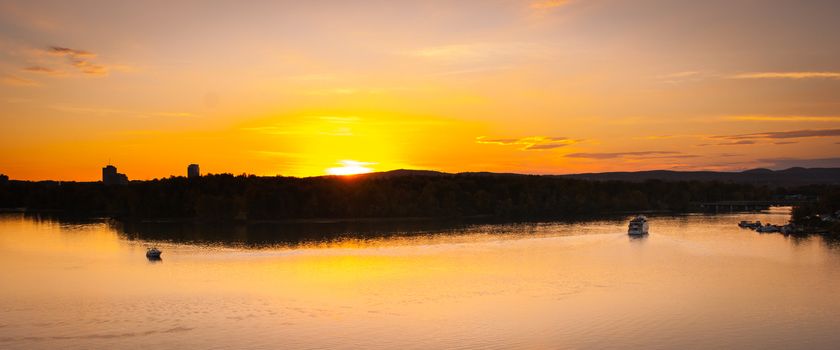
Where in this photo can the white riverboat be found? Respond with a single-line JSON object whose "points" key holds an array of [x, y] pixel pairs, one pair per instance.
{"points": [[638, 226]]}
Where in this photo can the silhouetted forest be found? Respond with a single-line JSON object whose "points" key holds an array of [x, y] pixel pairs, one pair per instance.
{"points": [[824, 214], [773, 178], [228, 197]]}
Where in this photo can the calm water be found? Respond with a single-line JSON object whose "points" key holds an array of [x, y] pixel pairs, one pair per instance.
{"points": [[695, 282]]}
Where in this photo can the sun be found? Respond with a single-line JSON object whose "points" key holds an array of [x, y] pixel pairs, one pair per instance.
{"points": [[350, 167]]}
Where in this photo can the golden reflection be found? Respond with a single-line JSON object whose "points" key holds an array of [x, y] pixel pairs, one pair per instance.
{"points": [[521, 281]]}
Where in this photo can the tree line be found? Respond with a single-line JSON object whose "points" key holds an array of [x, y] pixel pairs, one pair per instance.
{"points": [[822, 214], [248, 197]]}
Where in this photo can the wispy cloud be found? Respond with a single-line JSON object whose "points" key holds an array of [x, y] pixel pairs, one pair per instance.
{"points": [[475, 70], [783, 118], [531, 142], [170, 114], [346, 91], [312, 77], [788, 75], [794, 134], [17, 81], [687, 76], [479, 51], [65, 51], [718, 166], [730, 143], [91, 68], [43, 70], [548, 4], [737, 143], [68, 60], [300, 130], [280, 154], [683, 74], [340, 119], [633, 155], [666, 137], [105, 111]]}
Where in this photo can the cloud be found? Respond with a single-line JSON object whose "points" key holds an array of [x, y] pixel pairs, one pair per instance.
{"points": [[685, 76], [782, 134], [530, 143], [104, 111], [784, 142], [72, 60], [482, 57], [299, 130], [737, 143], [280, 154], [64, 51], [634, 155], [720, 166], [546, 146], [784, 163], [88, 67], [788, 75], [666, 137], [783, 118], [43, 70], [548, 4], [17, 81], [347, 91], [170, 114], [475, 70], [339, 119], [482, 139], [477, 52]]}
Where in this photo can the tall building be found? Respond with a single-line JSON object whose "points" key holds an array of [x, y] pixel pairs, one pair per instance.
{"points": [[110, 176], [192, 171]]}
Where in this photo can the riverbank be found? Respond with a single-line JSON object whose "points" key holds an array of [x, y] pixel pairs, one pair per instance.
{"points": [[250, 198]]}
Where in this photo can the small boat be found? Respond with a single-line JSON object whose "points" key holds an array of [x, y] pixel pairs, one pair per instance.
{"points": [[768, 228], [749, 224], [638, 226], [153, 253]]}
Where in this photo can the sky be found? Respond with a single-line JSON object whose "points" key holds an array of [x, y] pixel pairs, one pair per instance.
{"points": [[307, 88]]}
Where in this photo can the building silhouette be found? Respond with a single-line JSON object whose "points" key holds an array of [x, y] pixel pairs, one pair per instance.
{"points": [[110, 176], [193, 171]]}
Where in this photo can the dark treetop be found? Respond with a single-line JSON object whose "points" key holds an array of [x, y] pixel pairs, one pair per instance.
{"points": [[398, 194]]}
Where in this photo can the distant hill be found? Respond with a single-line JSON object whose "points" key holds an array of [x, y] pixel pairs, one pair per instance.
{"points": [[787, 177], [760, 176], [402, 172]]}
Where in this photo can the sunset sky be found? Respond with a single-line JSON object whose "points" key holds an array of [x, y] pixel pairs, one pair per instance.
{"points": [[301, 87]]}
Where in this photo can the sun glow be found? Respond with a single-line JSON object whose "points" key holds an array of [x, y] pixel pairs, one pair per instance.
{"points": [[350, 167]]}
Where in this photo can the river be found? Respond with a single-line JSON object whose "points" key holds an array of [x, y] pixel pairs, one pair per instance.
{"points": [[696, 282]]}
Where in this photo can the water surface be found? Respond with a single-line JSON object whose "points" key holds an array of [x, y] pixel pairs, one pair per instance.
{"points": [[696, 281]]}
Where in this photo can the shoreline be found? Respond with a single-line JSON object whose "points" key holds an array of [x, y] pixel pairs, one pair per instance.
{"points": [[61, 214]]}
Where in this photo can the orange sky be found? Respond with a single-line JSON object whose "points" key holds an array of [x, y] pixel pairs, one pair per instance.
{"points": [[297, 88]]}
